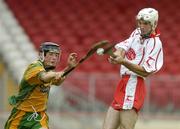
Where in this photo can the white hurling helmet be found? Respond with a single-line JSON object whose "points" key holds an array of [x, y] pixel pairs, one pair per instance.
{"points": [[150, 15]]}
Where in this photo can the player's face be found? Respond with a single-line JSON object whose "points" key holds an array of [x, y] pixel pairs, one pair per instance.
{"points": [[51, 59], [144, 26]]}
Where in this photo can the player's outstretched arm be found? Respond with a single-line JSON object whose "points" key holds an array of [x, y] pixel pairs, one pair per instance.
{"points": [[58, 80], [56, 77], [48, 76]]}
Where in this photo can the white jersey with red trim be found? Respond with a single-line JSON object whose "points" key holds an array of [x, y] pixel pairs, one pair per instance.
{"points": [[147, 53]]}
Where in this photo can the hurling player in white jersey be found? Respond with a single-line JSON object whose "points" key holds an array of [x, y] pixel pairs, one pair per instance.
{"points": [[139, 56]]}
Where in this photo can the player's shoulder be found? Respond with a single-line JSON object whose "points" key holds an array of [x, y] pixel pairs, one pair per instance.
{"points": [[135, 33], [37, 63], [154, 43], [34, 64], [157, 41]]}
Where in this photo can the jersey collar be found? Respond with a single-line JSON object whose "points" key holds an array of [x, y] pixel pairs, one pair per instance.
{"points": [[157, 34]]}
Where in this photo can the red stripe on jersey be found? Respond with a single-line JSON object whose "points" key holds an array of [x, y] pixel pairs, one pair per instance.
{"points": [[153, 46], [157, 58], [142, 56], [133, 34]]}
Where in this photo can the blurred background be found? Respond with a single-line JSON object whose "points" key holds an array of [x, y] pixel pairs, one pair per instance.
{"points": [[83, 99]]}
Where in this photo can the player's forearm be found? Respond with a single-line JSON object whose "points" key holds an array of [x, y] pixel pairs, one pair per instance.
{"points": [[58, 82], [135, 68], [47, 76]]}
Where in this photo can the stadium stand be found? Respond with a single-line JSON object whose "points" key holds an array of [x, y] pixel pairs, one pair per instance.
{"points": [[80, 24], [14, 49]]}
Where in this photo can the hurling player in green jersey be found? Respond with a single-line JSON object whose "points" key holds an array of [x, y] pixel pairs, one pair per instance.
{"points": [[29, 106]]}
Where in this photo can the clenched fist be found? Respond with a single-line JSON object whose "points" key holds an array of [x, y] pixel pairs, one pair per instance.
{"points": [[72, 60]]}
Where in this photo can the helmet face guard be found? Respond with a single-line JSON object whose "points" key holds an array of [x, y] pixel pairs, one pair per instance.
{"points": [[48, 47], [144, 28]]}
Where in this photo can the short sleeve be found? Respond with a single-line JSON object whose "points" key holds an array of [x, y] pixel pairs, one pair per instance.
{"points": [[32, 73], [126, 44], [154, 56]]}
